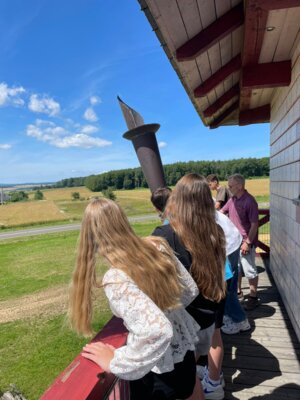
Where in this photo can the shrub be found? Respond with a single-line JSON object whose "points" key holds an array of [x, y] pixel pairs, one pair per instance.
{"points": [[18, 196], [109, 194], [75, 196], [38, 195]]}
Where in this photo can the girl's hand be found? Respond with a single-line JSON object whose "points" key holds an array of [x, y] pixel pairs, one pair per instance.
{"points": [[100, 353]]}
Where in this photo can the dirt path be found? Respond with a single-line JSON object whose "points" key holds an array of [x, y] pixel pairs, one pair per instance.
{"points": [[46, 303]]}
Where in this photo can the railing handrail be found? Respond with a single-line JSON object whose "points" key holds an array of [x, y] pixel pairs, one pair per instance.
{"points": [[261, 222], [83, 379]]}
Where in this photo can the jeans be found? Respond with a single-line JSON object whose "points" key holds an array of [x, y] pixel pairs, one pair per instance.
{"points": [[233, 308]]}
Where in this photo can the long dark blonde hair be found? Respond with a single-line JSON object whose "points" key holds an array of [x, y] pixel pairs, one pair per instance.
{"points": [[191, 213], [106, 232]]}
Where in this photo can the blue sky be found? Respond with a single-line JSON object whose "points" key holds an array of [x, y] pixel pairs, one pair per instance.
{"points": [[63, 63]]}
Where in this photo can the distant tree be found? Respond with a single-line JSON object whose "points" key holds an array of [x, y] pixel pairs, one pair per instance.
{"points": [[75, 195], [38, 195], [109, 194], [131, 178], [70, 182], [18, 196]]}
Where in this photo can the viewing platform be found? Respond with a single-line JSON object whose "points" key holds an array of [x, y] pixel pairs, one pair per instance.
{"points": [[262, 364]]}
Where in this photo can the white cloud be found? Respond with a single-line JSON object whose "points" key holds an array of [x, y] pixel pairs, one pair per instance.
{"points": [[5, 146], [11, 95], [90, 115], [89, 129], [43, 104], [162, 144], [95, 100], [81, 140], [58, 136]]}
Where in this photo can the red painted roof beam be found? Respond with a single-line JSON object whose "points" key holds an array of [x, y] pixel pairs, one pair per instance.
{"points": [[274, 4], [234, 91], [255, 115], [218, 77], [224, 115], [266, 75], [212, 34]]}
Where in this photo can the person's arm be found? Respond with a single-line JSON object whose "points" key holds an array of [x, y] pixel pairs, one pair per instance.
{"points": [[225, 209], [246, 245], [253, 218], [149, 330], [220, 198]]}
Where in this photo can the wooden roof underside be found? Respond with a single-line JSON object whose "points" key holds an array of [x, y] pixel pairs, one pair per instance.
{"points": [[228, 54]]}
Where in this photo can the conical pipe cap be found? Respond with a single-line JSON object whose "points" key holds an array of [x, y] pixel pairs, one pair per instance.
{"points": [[146, 147]]}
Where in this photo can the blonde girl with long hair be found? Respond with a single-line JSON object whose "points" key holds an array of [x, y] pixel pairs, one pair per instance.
{"points": [[199, 243], [192, 215], [148, 288]]}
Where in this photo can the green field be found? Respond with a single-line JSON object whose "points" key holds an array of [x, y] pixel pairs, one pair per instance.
{"points": [[59, 208], [37, 346]]}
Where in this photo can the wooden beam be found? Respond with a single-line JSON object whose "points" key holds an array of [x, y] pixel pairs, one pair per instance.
{"points": [[218, 77], [267, 75], [219, 103], [255, 115], [254, 30], [275, 4], [224, 115], [212, 34]]}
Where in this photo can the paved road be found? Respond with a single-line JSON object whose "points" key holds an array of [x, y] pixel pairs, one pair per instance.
{"points": [[75, 227], [64, 228]]}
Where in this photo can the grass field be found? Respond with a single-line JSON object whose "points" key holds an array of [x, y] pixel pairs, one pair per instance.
{"points": [[59, 206], [36, 347]]}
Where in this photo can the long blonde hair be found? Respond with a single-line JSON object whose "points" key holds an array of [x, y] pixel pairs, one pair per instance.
{"points": [[191, 213], [105, 232]]}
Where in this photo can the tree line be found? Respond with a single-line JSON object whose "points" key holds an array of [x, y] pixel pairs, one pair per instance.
{"points": [[132, 178]]}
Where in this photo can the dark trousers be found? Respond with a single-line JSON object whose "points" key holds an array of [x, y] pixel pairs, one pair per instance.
{"points": [[177, 384]]}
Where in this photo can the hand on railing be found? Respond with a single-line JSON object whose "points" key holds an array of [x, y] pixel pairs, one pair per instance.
{"points": [[100, 353]]}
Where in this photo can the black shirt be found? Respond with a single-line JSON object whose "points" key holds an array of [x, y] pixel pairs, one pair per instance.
{"points": [[201, 309]]}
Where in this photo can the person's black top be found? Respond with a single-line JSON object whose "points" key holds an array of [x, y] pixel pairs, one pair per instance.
{"points": [[201, 309]]}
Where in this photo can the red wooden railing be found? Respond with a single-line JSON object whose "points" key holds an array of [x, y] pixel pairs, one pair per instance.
{"points": [[84, 380], [264, 232]]}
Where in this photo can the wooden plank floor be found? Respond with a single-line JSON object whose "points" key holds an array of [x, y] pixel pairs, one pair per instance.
{"points": [[264, 363]]}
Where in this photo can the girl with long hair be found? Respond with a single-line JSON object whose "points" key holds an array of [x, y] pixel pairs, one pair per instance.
{"points": [[148, 288], [199, 243]]}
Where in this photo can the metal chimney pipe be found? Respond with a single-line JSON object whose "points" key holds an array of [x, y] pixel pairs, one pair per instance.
{"points": [[145, 145]]}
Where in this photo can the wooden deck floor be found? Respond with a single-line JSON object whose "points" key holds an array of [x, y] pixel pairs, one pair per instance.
{"points": [[264, 362]]}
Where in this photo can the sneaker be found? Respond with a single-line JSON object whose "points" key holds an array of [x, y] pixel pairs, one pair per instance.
{"points": [[211, 391], [251, 303], [241, 296], [236, 327], [226, 320], [202, 372]]}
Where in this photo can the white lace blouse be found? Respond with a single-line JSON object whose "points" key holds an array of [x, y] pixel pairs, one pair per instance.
{"points": [[156, 340]]}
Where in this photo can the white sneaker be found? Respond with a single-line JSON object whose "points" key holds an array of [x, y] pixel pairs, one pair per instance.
{"points": [[202, 372], [211, 391], [226, 320], [235, 327]]}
